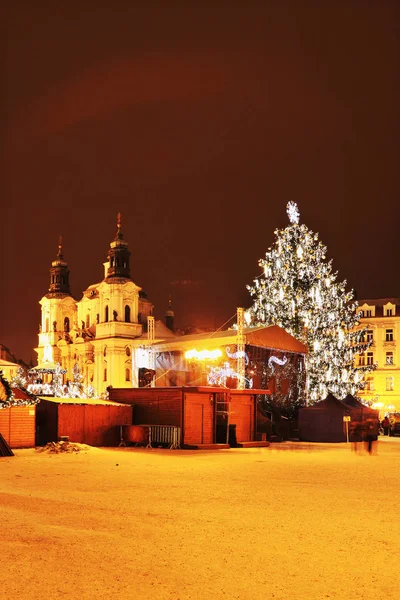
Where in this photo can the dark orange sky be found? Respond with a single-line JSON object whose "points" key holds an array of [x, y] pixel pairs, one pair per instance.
{"points": [[198, 121]]}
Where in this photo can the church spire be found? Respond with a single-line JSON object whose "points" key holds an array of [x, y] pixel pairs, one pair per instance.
{"points": [[169, 316], [59, 273], [118, 255]]}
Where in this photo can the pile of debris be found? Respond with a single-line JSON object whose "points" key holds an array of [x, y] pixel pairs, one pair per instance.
{"points": [[63, 446]]}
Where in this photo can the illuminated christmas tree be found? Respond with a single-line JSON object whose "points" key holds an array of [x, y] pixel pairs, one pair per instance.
{"points": [[19, 380], [299, 292]]}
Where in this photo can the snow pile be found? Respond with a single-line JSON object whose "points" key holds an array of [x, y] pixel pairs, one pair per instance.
{"points": [[63, 446]]}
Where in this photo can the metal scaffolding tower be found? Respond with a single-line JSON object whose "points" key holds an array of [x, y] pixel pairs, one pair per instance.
{"points": [[241, 344]]}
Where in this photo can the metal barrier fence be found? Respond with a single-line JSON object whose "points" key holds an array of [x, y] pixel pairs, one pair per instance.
{"points": [[164, 434]]}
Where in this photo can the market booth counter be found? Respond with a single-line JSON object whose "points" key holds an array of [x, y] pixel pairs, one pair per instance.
{"points": [[200, 417]]}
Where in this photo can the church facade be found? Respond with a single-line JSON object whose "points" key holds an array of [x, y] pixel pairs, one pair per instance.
{"points": [[105, 332]]}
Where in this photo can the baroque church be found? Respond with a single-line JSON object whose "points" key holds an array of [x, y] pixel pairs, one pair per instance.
{"points": [[108, 332]]}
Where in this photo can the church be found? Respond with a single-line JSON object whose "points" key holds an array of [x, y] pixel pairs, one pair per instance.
{"points": [[107, 332]]}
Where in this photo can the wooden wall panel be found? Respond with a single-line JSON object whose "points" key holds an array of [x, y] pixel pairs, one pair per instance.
{"points": [[242, 414], [198, 419], [71, 422], [17, 425]]}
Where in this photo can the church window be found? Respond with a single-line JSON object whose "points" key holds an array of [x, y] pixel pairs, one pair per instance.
{"points": [[105, 351], [112, 262], [106, 314], [87, 320], [105, 375], [66, 324], [97, 318], [57, 278], [127, 351], [127, 314], [52, 279], [47, 326], [127, 374]]}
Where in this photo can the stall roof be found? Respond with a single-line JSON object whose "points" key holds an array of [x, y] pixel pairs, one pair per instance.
{"points": [[7, 364], [87, 401], [271, 336]]}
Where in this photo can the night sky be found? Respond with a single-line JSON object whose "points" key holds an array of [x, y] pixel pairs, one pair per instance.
{"points": [[198, 121]]}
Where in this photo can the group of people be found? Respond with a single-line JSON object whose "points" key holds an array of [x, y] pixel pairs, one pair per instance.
{"points": [[366, 432]]}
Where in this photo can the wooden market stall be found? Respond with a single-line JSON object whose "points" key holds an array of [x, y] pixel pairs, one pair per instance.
{"points": [[88, 421], [328, 420], [17, 420], [200, 416]]}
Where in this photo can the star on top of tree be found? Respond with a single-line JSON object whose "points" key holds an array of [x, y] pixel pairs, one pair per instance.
{"points": [[293, 212]]}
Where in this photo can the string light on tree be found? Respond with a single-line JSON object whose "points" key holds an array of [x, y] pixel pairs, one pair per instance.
{"points": [[299, 292]]}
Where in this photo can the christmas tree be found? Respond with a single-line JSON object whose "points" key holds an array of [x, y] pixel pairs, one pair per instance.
{"points": [[299, 291]]}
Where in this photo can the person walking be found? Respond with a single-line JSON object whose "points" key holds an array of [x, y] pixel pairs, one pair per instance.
{"points": [[385, 425], [371, 435]]}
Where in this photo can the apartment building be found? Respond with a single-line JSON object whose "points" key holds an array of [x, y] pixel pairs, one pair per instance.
{"points": [[381, 317]]}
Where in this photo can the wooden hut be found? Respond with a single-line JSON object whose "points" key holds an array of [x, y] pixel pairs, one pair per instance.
{"points": [[324, 421], [17, 415], [196, 417], [88, 421], [17, 420]]}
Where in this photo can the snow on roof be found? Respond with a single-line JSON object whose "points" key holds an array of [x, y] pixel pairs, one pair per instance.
{"points": [[7, 364], [87, 401]]}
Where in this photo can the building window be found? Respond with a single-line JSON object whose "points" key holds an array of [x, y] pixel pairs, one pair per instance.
{"points": [[369, 384], [389, 312], [127, 314], [370, 358], [361, 360], [127, 351], [370, 335], [361, 313], [389, 335], [105, 375], [106, 314], [105, 351], [127, 374], [87, 321], [368, 313], [389, 384], [389, 358]]}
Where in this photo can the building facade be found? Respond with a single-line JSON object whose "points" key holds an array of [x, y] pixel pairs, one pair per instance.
{"points": [[381, 318], [104, 330]]}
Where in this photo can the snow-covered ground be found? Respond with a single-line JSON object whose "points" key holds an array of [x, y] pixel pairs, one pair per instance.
{"points": [[293, 521]]}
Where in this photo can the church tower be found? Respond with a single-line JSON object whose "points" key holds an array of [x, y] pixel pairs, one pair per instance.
{"points": [[59, 274], [118, 256], [169, 316], [58, 310], [115, 302]]}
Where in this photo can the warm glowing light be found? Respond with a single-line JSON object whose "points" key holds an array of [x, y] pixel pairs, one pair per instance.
{"points": [[293, 212], [203, 354], [377, 405], [47, 353]]}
